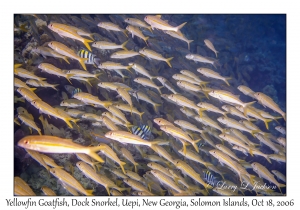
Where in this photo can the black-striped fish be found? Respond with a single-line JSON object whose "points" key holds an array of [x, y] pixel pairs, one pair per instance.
{"points": [[209, 178], [76, 90], [144, 131], [91, 57], [201, 144]]}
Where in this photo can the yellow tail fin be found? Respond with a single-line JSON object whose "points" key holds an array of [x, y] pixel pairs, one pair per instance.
{"points": [[66, 59], [123, 45], [146, 38], [195, 144], [226, 80], [155, 107], [189, 42], [89, 192], [180, 26], [68, 123], [246, 105], [266, 123], [124, 31], [81, 61], [32, 89], [168, 61], [68, 76], [150, 29], [86, 44], [122, 166]]}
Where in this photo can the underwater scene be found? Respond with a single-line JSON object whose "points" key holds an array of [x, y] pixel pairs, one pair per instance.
{"points": [[149, 105]]}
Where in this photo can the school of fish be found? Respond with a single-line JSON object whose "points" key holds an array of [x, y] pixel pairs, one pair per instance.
{"points": [[145, 129]]}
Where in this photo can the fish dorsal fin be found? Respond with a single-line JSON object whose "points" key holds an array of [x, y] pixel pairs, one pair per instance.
{"points": [[159, 16]]}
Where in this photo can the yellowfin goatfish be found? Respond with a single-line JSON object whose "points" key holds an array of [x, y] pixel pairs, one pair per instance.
{"points": [[193, 76], [107, 151], [178, 133], [232, 123], [184, 102], [154, 55], [267, 101], [129, 157], [125, 137], [278, 128], [103, 45], [45, 108], [187, 126], [246, 90], [90, 99], [279, 175], [70, 32], [157, 22], [199, 58], [113, 66], [136, 185], [166, 180], [64, 50], [128, 108], [194, 156], [136, 32], [212, 74], [26, 74], [22, 188], [161, 122], [188, 170], [210, 46], [225, 159], [143, 97], [111, 27], [46, 51], [122, 54], [37, 156], [68, 179], [28, 94], [141, 70], [166, 84], [80, 73], [29, 123], [252, 113], [211, 108], [37, 83], [147, 83], [101, 179], [53, 144], [263, 172], [50, 162], [47, 191], [228, 97], [50, 69], [20, 83], [180, 36], [138, 23]]}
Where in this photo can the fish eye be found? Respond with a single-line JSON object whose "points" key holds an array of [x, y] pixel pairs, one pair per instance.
{"points": [[51, 25], [26, 142]]}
